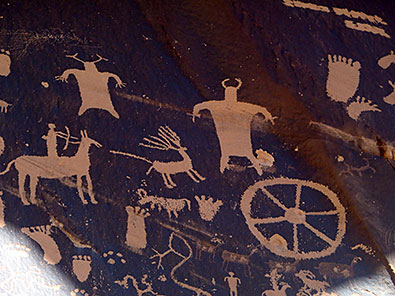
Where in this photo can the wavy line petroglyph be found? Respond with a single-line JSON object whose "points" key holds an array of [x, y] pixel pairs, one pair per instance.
{"points": [[207, 207], [167, 140], [144, 281], [54, 167], [42, 235], [82, 266], [5, 63], [170, 205], [235, 135], [93, 86], [136, 235], [343, 78], [295, 216], [366, 28]]}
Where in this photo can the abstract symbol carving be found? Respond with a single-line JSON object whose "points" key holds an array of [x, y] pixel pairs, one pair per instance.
{"points": [[343, 78], [144, 281], [113, 257], [82, 267], [234, 135], [93, 86], [390, 99], [136, 236], [294, 215]]}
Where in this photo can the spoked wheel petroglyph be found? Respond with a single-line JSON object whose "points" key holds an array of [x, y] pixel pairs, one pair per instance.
{"points": [[292, 246]]}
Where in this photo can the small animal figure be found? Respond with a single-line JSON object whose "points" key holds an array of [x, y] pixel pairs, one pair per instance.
{"points": [[203, 246], [279, 289], [4, 106], [171, 205], [239, 259], [338, 270], [310, 283]]}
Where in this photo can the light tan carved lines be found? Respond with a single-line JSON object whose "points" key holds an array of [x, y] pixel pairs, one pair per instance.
{"points": [[207, 207], [2, 210], [384, 63], [364, 27], [278, 289], [82, 266], [295, 216], [331, 270], [4, 106], [310, 283], [231, 257], [235, 135], [233, 283], [53, 167], [5, 62], [136, 235], [93, 86], [140, 292], [167, 140]]}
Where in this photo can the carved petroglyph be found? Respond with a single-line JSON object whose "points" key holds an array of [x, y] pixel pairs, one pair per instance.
{"points": [[167, 140], [203, 246], [359, 15], [82, 267], [113, 257], [144, 280], [331, 270], [78, 292], [55, 168], [42, 235], [170, 205], [366, 28], [233, 283], [295, 216], [51, 139], [136, 236], [355, 108], [5, 63], [311, 6], [242, 259], [93, 86], [310, 284], [283, 267], [387, 60], [343, 78], [234, 135], [198, 291], [278, 289], [390, 99], [4, 106], [207, 207], [2, 210], [2, 145], [368, 250], [350, 169]]}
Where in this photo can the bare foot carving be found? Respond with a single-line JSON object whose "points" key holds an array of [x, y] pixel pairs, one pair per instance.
{"points": [[390, 99], [113, 257], [41, 235], [77, 292], [355, 108], [82, 267], [343, 78], [5, 62]]}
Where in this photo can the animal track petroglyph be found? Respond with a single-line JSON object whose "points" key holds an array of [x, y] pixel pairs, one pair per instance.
{"points": [[42, 235], [113, 257], [136, 236], [355, 108], [207, 207], [78, 292], [343, 78], [5, 62], [82, 267]]}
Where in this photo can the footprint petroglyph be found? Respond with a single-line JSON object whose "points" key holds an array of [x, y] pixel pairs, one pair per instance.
{"points": [[136, 236], [112, 257], [82, 267], [78, 292], [42, 235], [355, 108], [208, 208], [343, 78], [5, 62]]}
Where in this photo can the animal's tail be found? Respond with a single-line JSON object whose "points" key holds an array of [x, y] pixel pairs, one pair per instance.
{"points": [[188, 203], [149, 170], [131, 155], [8, 167]]}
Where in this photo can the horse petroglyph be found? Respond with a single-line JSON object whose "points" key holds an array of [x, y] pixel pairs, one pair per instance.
{"points": [[343, 78], [295, 216], [42, 235], [5, 62], [234, 135], [278, 289], [93, 86], [242, 259], [310, 284], [136, 236], [82, 267], [171, 205], [167, 140], [207, 207], [53, 167], [233, 283], [198, 291]]}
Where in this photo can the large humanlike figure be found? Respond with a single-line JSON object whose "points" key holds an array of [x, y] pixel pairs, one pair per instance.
{"points": [[232, 121]]}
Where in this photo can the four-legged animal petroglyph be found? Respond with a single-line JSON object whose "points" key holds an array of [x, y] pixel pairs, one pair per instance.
{"points": [[171, 205], [390, 99], [228, 257], [331, 270], [343, 78], [55, 168], [167, 140], [203, 246], [278, 289], [207, 207], [4, 106], [93, 86], [350, 169], [310, 284], [234, 135]]}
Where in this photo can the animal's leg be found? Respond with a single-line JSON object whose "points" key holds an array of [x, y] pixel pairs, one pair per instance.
{"points": [[225, 264], [165, 181], [224, 163], [171, 180], [113, 112], [198, 175], [79, 188], [33, 188], [90, 189], [255, 163], [192, 176], [22, 192], [82, 110]]}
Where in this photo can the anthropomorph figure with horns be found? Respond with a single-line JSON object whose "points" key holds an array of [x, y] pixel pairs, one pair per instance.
{"points": [[232, 120], [93, 86]]}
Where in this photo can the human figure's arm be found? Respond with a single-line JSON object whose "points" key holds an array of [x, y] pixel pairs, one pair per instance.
{"points": [[268, 116], [65, 75], [199, 107], [119, 84]]}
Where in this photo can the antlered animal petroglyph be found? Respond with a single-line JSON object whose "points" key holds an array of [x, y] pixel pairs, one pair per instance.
{"points": [[93, 86], [55, 168], [167, 140], [343, 78], [234, 135]]}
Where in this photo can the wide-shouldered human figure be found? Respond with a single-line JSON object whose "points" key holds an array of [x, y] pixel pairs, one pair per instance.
{"points": [[232, 121]]}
